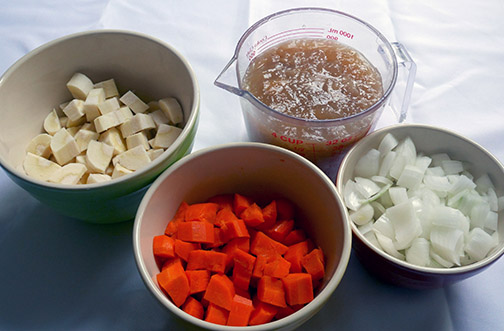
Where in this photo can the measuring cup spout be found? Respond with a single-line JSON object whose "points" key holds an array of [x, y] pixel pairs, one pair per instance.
{"points": [[228, 80]]}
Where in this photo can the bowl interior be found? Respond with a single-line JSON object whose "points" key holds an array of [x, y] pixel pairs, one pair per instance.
{"points": [[36, 84], [260, 171], [431, 140]]}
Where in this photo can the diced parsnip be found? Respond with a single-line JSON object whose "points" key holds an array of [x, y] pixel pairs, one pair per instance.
{"points": [[120, 171], [154, 153], [98, 178], [69, 174], [98, 156], [109, 105], [74, 110], [95, 97], [172, 109], [133, 102], [83, 137], [52, 123], [133, 159], [79, 86], [38, 167], [64, 147], [159, 117], [137, 123], [166, 135], [137, 139], [40, 145], [113, 137], [109, 87]]}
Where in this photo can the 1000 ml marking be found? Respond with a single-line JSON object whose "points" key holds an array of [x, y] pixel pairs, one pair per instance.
{"points": [[334, 34]]}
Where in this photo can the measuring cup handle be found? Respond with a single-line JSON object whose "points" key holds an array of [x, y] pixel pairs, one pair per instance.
{"points": [[405, 80], [227, 79]]}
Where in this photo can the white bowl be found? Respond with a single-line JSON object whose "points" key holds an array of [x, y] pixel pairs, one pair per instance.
{"points": [[36, 84], [257, 170]]}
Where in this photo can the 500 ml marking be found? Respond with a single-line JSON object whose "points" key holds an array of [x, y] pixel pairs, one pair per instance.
{"points": [[334, 34]]}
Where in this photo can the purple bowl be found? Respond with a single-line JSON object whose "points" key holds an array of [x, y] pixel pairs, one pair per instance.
{"points": [[429, 140]]}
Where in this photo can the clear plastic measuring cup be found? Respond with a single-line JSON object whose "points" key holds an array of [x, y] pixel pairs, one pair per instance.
{"points": [[324, 142]]}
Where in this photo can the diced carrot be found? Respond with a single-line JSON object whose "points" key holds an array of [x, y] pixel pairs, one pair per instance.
{"points": [[286, 311], [173, 280], [234, 229], [253, 215], [218, 239], [209, 260], [263, 245], [280, 230], [295, 253], [242, 269], [171, 228], [223, 216], [278, 267], [198, 232], [162, 246], [201, 212], [294, 237], [240, 203], [198, 280], [243, 293], [240, 311], [193, 307], [285, 209], [216, 314], [220, 291], [233, 245], [225, 201], [269, 216], [262, 313], [313, 263], [259, 265], [298, 288], [270, 290], [182, 248]]}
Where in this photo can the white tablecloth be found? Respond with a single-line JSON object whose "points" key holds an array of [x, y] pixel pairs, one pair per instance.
{"points": [[61, 274]]}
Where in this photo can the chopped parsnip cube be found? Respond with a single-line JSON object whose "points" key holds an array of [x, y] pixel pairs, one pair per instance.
{"points": [[64, 147], [133, 102], [109, 86]]}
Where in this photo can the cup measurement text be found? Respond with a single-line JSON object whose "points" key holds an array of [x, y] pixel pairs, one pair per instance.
{"points": [[335, 34]]}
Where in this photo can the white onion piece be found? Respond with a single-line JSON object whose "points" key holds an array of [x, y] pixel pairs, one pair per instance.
{"points": [[479, 214], [398, 166], [438, 158], [478, 244], [438, 261], [465, 201], [461, 183], [407, 149], [483, 183], [362, 215], [366, 187], [444, 216], [435, 171], [386, 163], [452, 167], [491, 221], [351, 195], [500, 203], [492, 199], [440, 184], [363, 229], [384, 227], [423, 163], [405, 223], [378, 209], [448, 243], [398, 195], [419, 252], [388, 246], [382, 180], [371, 237], [410, 177], [368, 164], [388, 143]]}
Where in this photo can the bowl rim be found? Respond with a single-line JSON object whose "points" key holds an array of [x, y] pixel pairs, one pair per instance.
{"points": [[186, 130], [488, 260], [299, 315]]}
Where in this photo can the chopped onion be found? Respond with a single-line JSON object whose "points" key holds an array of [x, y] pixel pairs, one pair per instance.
{"points": [[479, 243], [419, 252], [368, 164], [427, 210], [362, 215]]}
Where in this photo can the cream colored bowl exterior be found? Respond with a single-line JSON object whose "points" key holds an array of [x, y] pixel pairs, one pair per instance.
{"points": [[428, 140], [259, 170], [35, 84]]}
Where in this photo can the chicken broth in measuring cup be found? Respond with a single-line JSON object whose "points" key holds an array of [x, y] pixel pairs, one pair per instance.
{"points": [[316, 79]]}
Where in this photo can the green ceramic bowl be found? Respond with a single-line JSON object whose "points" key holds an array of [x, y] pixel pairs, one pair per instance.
{"points": [[36, 83]]}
